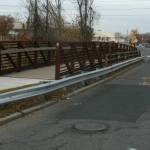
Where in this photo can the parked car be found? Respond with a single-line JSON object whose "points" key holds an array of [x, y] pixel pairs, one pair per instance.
{"points": [[146, 45], [139, 46]]}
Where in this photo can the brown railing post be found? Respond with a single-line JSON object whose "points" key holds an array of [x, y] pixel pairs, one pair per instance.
{"points": [[20, 44], [0, 62], [49, 60], [1, 48], [58, 61], [36, 44], [19, 57], [100, 54], [105, 54]]}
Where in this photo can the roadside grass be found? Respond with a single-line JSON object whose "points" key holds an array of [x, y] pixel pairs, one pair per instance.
{"points": [[19, 106]]}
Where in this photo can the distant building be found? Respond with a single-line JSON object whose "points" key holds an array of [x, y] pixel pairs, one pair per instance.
{"points": [[104, 36], [18, 27], [109, 37]]}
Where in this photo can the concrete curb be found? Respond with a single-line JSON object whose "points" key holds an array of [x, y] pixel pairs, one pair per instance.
{"points": [[25, 112]]}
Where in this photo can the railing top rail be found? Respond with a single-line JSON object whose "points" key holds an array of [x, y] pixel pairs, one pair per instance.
{"points": [[25, 44]]}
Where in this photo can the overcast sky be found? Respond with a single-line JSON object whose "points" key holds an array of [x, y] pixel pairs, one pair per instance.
{"points": [[116, 15]]}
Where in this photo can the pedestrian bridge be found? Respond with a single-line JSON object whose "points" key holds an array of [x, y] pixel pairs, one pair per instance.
{"points": [[59, 60], [21, 62]]}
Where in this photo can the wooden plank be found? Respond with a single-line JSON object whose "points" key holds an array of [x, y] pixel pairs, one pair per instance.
{"points": [[29, 49], [11, 61]]}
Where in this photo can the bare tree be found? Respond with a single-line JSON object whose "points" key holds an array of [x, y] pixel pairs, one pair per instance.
{"points": [[54, 19], [46, 22], [86, 18], [59, 16], [34, 22], [45, 18], [6, 24]]}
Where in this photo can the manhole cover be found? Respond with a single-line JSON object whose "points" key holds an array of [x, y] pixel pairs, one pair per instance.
{"points": [[90, 127]]}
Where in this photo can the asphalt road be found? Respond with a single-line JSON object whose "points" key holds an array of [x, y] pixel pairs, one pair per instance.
{"points": [[122, 105], [145, 51]]}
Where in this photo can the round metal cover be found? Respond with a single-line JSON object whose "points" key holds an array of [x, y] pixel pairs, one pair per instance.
{"points": [[90, 127]]}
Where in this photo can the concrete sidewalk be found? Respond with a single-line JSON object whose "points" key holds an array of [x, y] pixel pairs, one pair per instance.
{"points": [[44, 73], [26, 78], [8, 83]]}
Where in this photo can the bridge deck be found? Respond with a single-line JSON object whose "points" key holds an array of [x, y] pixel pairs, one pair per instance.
{"points": [[26, 78], [44, 73], [9, 84]]}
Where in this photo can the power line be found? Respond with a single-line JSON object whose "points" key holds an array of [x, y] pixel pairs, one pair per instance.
{"points": [[138, 15], [126, 9], [109, 15], [73, 9], [9, 6], [75, 13], [115, 9], [127, 2]]}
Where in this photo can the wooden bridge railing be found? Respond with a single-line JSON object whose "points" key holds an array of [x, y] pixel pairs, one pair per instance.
{"points": [[75, 58], [69, 58], [20, 55]]}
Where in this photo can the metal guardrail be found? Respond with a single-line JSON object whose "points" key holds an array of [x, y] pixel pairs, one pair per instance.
{"points": [[55, 85]]}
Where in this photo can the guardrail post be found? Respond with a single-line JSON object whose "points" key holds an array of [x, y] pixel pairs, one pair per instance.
{"points": [[58, 61]]}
